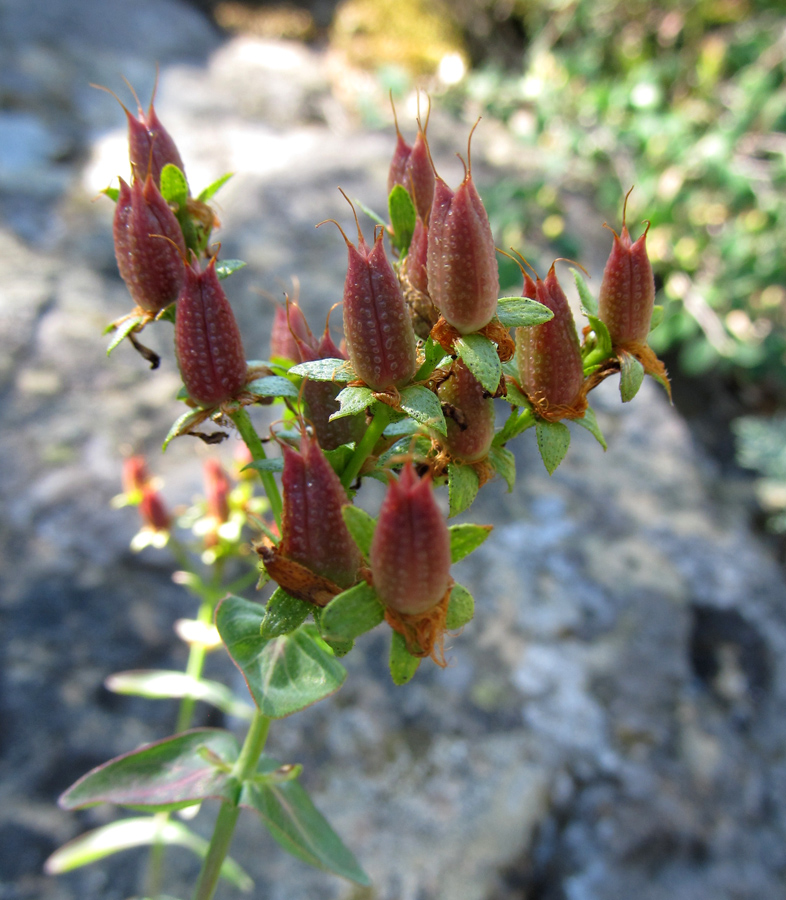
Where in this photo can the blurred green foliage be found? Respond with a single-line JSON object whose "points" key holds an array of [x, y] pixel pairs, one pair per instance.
{"points": [[761, 446], [686, 101]]}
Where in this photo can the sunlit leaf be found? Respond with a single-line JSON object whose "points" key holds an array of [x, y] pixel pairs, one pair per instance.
{"points": [[463, 486], [466, 538], [522, 311], [553, 443], [352, 613], [480, 356], [424, 407], [461, 608]]}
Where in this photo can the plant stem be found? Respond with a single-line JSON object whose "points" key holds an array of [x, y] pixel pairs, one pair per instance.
{"points": [[224, 828], [366, 444], [247, 431]]}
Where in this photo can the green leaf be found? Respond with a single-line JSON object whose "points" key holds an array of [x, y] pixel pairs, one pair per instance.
{"points": [[403, 664], [339, 457], [417, 446], [298, 826], [157, 684], [283, 614], [402, 218], [522, 311], [433, 354], [631, 376], [424, 407], [137, 832], [402, 428], [466, 538], [273, 386], [167, 775], [505, 464], [211, 189], [227, 267], [602, 337], [553, 443], [515, 396], [266, 465], [463, 486], [361, 526], [351, 613], [122, 333], [657, 317], [181, 426], [590, 422], [461, 608], [174, 187], [480, 356], [325, 370], [112, 193], [353, 400], [285, 674], [375, 217], [589, 304]]}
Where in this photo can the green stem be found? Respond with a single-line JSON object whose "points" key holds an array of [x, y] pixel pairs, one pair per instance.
{"points": [[224, 828], [254, 444], [366, 444]]}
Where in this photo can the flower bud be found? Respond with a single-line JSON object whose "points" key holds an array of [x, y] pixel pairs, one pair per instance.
{"points": [[207, 339], [150, 146], [463, 278], [469, 415], [627, 292], [153, 511], [410, 552], [379, 335], [312, 527], [149, 245], [217, 490], [549, 356]]}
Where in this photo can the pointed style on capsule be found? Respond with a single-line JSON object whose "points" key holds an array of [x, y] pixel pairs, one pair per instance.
{"points": [[549, 355], [463, 277], [627, 292], [469, 415], [377, 328], [208, 345], [149, 245]]}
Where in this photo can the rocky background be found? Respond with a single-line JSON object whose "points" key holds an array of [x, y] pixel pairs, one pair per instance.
{"points": [[612, 724]]}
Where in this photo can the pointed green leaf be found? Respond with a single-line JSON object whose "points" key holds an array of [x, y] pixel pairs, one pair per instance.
{"points": [[461, 608], [553, 443], [325, 370], [402, 664], [292, 819], [402, 428], [514, 312], [402, 218], [463, 486], [375, 217], [273, 386], [181, 425], [112, 193], [424, 407], [589, 304], [283, 614], [353, 400], [590, 422], [361, 526], [227, 267], [137, 832], [631, 376], [285, 674], [174, 187], [466, 538], [211, 189], [602, 337], [433, 354], [657, 317], [505, 464], [265, 465], [515, 396], [351, 613], [157, 684], [480, 356], [167, 775], [122, 333], [416, 446]]}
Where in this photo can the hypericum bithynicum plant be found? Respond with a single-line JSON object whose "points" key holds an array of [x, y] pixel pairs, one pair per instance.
{"points": [[410, 403]]}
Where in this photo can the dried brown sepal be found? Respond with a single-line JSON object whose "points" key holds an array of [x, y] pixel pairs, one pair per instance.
{"points": [[424, 633], [295, 578]]}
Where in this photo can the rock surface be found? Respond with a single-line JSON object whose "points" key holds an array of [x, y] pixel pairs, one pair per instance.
{"points": [[611, 725]]}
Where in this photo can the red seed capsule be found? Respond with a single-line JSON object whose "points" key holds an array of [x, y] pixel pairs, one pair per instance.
{"points": [[627, 292], [549, 355], [207, 339], [469, 416], [313, 530], [150, 144], [149, 245], [463, 278], [410, 552], [377, 328]]}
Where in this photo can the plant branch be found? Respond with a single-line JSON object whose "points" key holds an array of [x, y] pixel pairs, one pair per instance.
{"points": [[247, 431]]}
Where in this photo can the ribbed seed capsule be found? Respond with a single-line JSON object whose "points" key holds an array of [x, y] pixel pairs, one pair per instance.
{"points": [[207, 339], [549, 355], [149, 245], [377, 328], [627, 292], [150, 144], [469, 417], [410, 552], [313, 532], [463, 278]]}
